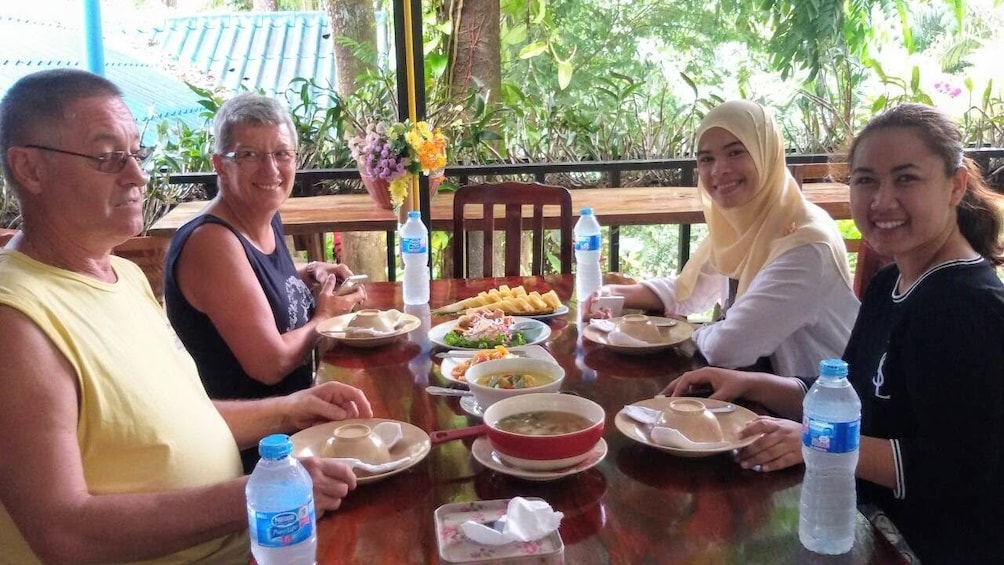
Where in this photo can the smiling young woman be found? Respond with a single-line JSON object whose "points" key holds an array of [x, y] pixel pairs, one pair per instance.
{"points": [[774, 262]]}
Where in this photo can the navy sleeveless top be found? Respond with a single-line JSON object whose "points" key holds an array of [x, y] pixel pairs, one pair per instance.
{"points": [[290, 299]]}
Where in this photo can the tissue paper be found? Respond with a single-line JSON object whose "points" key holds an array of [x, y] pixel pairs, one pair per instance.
{"points": [[456, 548], [525, 520]]}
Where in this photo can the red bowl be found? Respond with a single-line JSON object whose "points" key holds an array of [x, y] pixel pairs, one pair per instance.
{"points": [[540, 453]]}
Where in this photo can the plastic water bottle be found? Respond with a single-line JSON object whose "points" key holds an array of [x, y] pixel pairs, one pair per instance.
{"points": [[415, 256], [831, 433], [280, 497], [588, 275]]}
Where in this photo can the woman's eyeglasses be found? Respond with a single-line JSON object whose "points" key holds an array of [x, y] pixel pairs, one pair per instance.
{"points": [[249, 157], [110, 163]]}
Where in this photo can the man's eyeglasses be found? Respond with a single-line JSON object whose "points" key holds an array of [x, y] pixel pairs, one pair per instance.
{"points": [[249, 157], [110, 163]]}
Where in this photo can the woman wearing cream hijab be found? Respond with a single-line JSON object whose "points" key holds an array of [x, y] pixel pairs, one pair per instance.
{"points": [[774, 261]]}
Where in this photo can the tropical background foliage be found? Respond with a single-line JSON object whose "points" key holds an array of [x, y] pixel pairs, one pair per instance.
{"points": [[561, 80]]}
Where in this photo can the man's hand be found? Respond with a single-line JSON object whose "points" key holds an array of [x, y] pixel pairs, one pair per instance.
{"points": [[324, 403], [332, 482]]}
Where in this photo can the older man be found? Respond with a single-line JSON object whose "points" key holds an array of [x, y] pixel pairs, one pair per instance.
{"points": [[112, 450]]}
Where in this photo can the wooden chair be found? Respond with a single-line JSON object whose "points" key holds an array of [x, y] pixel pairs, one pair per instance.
{"points": [[818, 172], [869, 263], [514, 196]]}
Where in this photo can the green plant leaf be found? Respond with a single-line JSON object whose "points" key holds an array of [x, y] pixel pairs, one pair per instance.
{"points": [[533, 49], [564, 74]]}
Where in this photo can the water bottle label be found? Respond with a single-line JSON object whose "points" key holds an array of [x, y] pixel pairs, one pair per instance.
{"points": [[830, 437], [588, 243], [281, 529], [413, 245]]}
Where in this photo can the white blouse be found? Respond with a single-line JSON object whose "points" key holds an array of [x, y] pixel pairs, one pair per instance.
{"points": [[797, 311]]}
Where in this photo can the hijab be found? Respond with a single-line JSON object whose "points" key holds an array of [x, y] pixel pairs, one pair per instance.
{"points": [[778, 218]]}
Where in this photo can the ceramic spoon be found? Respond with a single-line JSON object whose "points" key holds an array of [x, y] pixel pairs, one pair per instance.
{"points": [[444, 391], [373, 468], [672, 437]]}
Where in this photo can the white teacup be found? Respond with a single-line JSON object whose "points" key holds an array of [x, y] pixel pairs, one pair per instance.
{"points": [[639, 327], [692, 418], [360, 441]]}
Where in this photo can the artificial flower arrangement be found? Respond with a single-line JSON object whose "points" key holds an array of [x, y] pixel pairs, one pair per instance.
{"points": [[394, 152]]}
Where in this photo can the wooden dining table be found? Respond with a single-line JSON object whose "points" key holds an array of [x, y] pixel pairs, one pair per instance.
{"points": [[638, 505]]}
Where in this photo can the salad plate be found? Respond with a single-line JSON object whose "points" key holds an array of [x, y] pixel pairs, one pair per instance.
{"points": [[534, 332], [530, 351]]}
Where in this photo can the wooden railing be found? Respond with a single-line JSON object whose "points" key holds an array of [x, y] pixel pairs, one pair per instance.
{"points": [[581, 174]]}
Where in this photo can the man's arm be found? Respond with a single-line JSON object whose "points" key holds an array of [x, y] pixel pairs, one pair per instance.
{"points": [[251, 420], [42, 482]]}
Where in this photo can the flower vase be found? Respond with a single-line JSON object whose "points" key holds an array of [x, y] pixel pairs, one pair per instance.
{"points": [[378, 189], [436, 178]]}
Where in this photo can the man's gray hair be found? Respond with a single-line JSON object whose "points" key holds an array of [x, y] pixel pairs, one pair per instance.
{"points": [[248, 108]]}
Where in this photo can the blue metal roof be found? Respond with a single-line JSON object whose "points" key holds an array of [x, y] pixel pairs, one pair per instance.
{"points": [[30, 45], [252, 50]]}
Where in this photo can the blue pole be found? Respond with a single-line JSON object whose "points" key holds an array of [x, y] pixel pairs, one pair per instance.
{"points": [[93, 46]]}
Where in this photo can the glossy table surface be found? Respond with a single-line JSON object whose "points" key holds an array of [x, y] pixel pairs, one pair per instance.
{"points": [[639, 505]]}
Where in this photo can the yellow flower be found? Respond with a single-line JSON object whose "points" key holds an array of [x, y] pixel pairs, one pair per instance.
{"points": [[399, 189], [429, 146]]}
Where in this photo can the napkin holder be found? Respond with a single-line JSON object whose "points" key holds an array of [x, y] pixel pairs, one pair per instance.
{"points": [[455, 547]]}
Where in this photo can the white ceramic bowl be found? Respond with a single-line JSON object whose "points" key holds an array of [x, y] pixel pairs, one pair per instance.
{"points": [[486, 395], [359, 441], [690, 417], [638, 326]]}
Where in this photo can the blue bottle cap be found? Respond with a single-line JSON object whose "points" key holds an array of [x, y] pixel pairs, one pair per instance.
{"points": [[832, 368], [275, 446], [586, 211], [414, 214]]}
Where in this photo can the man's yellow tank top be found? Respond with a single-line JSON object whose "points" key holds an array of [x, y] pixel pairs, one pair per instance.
{"points": [[146, 423]]}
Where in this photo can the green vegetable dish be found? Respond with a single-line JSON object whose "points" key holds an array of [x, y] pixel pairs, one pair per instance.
{"points": [[454, 339]]}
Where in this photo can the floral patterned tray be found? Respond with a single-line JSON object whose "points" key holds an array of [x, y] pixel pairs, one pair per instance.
{"points": [[455, 547]]}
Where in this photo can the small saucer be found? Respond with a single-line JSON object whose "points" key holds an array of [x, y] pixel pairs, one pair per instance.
{"points": [[731, 423], [414, 444], [335, 327], [484, 454], [471, 406], [674, 332]]}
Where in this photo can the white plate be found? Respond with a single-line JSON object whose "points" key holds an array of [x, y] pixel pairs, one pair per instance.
{"points": [[559, 311], [731, 423], [471, 406], [538, 332], [484, 454], [674, 335], [333, 328], [531, 351], [414, 444]]}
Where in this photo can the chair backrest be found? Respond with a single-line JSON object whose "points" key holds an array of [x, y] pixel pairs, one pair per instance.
{"points": [[514, 196], [869, 263]]}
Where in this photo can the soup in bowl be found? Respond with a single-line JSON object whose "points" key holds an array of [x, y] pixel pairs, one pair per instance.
{"points": [[544, 431], [491, 381]]}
